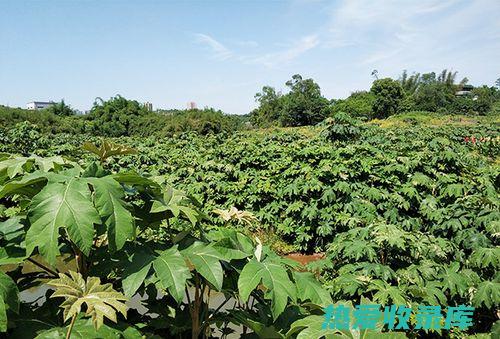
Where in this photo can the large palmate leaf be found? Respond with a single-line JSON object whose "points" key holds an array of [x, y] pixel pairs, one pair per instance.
{"points": [[231, 244], [205, 259], [385, 293], [12, 250], [101, 300], [275, 279], [107, 149], [488, 294], [308, 288], [136, 271], [236, 215], [483, 257], [109, 202], [9, 168], [61, 205], [172, 271], [453, 280], [9, 299], [24, 186], [176, 203]]}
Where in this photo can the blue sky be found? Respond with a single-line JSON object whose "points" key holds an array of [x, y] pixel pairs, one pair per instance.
{"points": [[220, 53]]}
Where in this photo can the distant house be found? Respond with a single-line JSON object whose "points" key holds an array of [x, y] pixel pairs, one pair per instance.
{"points": [[36, 105], [465, 91]]}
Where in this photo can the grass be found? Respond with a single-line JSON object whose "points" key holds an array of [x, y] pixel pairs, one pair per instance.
{"points": [[434, 119]]}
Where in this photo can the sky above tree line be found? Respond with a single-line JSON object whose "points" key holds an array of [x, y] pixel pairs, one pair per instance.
{"points": [[220, 53]]}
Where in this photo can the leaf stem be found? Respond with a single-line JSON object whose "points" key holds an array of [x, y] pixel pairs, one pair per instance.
{"points": [[70, 328], [42, 266]]}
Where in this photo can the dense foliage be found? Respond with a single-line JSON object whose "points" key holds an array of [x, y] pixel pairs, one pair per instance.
{"points": [[302, 105], [101, 238], [428, 92], [203, 122], [406, 215], [178, 225], [388, 95]]}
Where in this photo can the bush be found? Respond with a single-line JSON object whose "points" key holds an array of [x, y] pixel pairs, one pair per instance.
{"points": [[341, 127], [203, 122], [115, 116], [358, 104], [25, 138]]}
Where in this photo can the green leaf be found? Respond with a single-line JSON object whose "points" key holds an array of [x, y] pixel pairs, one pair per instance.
{"points": [[109, 202], [175, 202], [11, 228], [9, 299], [107, 149], [172, 271], [274, 278], [231, 244], [484, 257], [134, 179], [487, 294], [385, 293], [83, 329], [310, 327], [11, 167], [136, 271], [453, 280], [3, 316], [102, 301], [205, 260], [61, 205], [308, 288], [23, 186]]}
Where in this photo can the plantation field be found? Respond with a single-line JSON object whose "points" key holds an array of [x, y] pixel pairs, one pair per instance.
{"points": [[406, 211]]}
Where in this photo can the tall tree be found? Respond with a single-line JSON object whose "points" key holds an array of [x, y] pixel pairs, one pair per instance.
{"points": [[115, 116], [304, 104], [388, 96], [61, 109]]}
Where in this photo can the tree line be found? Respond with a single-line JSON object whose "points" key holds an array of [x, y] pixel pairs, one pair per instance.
{"points": [[440, 93], [303, 104]]}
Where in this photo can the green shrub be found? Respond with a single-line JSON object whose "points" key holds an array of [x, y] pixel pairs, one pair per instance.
{"points": [[358, 104]]}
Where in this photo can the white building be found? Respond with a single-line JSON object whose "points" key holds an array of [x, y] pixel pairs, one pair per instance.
{"points": [[35, 105], [191, 105], [148, 106]]}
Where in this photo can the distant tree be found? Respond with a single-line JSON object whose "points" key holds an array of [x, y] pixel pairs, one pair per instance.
{"points": [[358, 104], [270, 107], [375, 74], [115, 116], [484, 98], [497, 83], [431, 92], [61, 109], [410, 83], [304, 104], [388, 95]]}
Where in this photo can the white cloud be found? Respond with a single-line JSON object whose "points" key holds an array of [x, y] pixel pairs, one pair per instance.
{"points": [[247, 43], [271, 59], [287, 55], [219, 51], [406, 34]]}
